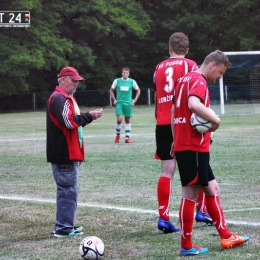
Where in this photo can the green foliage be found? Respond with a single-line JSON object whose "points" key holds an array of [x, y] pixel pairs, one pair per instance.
{"points": [[99, 37], [104, 27], [210, 25], [23, 50]]}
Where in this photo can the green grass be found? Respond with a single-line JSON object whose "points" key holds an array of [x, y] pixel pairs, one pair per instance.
{"points": [[117, 198]]}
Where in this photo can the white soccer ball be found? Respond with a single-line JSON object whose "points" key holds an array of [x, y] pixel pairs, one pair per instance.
{"points": [[92, 248], [200, 124]]}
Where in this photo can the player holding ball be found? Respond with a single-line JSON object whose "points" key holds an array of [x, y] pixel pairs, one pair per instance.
{"points": [[191, 149]]}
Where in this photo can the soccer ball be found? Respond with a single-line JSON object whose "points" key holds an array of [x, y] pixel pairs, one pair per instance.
{"points": [[92, 248], [200, 124]]}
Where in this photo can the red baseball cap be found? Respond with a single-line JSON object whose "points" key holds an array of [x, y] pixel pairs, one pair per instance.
{"points": [[71, 72]]}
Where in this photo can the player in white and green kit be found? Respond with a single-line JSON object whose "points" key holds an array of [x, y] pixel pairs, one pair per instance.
{"points": [[123, 87]]}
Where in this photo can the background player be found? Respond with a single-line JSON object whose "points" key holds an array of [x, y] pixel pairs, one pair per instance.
{"points": [[124, 102], [166, 75]]}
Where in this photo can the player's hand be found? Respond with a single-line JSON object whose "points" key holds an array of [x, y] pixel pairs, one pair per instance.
{"points": [[215, 124], [214, 127], [115, 102], [97, 113], [133, 103], [211, 137]]}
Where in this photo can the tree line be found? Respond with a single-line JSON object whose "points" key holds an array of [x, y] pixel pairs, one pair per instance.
{"points": [[99, 37]]}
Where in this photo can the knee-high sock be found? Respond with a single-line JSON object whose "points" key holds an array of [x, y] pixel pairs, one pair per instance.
{"points": [[118, 128], [200, 203], [164, 191], [127, 130], [217, 214], [186, 216]]}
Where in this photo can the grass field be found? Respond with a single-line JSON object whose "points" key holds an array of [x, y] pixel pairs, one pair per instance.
{"points": [[117, 199]]}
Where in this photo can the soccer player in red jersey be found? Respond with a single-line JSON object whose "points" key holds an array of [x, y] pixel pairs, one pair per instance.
{"points": [[191, 150], [166, 75]]}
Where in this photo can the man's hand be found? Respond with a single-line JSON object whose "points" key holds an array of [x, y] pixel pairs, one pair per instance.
{"points": [[97, 113]]}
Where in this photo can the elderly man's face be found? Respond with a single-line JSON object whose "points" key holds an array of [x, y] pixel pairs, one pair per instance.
{"points": [[70, 85]]}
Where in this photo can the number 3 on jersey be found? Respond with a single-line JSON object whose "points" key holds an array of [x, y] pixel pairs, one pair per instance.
{"points": [[169, 80]]}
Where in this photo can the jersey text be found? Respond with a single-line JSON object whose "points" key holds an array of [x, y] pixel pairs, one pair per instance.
{"points": [[179, 120], [165, 99]]}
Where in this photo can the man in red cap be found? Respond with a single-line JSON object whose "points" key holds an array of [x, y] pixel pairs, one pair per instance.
{"points": [[65, 148]]}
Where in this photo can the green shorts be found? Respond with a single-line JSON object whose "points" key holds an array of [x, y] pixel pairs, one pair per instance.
{"points": [[123, 110]]}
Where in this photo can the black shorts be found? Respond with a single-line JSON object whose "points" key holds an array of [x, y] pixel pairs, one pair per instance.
{"points": [[164, 139], [194, 168]]}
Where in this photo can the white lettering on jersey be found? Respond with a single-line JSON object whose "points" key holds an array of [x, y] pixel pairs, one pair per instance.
{"points": [[169, 80], [160, 66], [165, 99], [179, 120], [124, 88], [171, 63], [184, 79]]}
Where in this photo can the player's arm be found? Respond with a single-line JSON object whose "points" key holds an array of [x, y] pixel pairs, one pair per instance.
{"points": [[112, 91], [154, 89], [199, 109], [137, 94], [172, 126]]}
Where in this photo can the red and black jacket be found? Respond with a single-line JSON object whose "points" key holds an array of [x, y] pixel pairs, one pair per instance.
{"points": [[62, 146]]}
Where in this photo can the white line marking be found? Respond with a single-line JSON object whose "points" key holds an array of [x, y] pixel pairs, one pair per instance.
{"points": [[41, 138], [246, 223]]}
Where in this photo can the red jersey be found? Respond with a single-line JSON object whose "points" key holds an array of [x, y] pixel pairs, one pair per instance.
{"points": [[165, 77], [185, 136]]}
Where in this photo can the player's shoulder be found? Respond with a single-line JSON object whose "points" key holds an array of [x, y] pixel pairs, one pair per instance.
{"points": [[191, 77], [189, 60], [161, 64], [197, 78], [197, 75], [191, 63]]}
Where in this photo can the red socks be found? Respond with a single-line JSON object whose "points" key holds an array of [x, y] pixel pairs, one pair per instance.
{"points": [[164, 191], [200, 203], [186, 216], [216, 213]]}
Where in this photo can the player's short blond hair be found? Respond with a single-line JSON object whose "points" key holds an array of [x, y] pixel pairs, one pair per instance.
{"points": [[218, 57]]}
